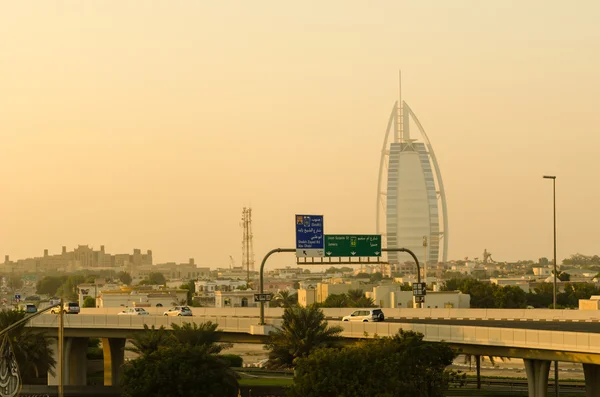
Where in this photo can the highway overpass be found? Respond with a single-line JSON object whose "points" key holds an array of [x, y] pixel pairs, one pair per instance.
{"points": [[537, 336]]}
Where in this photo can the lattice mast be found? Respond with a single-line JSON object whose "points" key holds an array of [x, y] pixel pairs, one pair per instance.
{"points": [[247, 244]]}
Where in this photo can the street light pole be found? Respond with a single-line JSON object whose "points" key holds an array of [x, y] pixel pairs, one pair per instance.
{"points": [[553, 177]]}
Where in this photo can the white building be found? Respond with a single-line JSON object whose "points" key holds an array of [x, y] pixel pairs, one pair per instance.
{"points": [[235, 299], [126, 296], [411, 205], [519, 282]]}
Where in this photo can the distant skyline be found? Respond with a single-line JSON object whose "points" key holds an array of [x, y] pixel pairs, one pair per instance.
{"points": [[146, 124]]}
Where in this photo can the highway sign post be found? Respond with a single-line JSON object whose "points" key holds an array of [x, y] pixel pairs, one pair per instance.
{"points": [[349, 245], [263, 297], [419, 292], [419, 289], [309, 236]]}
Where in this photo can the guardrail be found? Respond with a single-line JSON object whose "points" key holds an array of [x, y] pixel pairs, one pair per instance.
{"points": [[471, 314], [490, 336]]}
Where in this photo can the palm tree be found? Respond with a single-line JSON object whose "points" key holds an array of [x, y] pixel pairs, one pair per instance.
{"points": [[149, 340], [31, 348], [195, 335], [303, 329], [357, 298], [285, 299]]}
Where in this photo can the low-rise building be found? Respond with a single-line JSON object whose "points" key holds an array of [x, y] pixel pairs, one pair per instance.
{"points": [[307, 296], [235, 299], [590, 304], [128, 296], [522, 283]]}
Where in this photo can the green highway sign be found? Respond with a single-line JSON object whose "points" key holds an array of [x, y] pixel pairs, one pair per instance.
{"points": [[349, 245]]}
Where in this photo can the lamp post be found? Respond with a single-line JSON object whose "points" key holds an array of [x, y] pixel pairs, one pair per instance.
{"points": [[553, 177]]}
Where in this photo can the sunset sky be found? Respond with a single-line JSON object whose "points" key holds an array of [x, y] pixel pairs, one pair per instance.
{"points": [[151, 124]]}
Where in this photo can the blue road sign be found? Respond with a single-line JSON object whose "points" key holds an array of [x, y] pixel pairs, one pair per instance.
{"points": [[310, 240]]}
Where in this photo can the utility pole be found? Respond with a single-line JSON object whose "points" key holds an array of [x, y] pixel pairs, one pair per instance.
{"points": [[61, 349], [247, 244], [553, 177]]}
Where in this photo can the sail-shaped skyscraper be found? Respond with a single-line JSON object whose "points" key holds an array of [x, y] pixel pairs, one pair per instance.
{"points": [[411, 202]]}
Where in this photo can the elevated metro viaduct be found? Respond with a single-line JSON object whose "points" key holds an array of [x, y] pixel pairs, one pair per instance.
{"points": [[507, 333]]}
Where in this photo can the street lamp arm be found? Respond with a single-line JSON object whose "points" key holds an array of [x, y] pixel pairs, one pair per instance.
{"points": [[411, 254]]}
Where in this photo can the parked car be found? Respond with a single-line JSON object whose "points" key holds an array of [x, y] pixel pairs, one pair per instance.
{"points": [[134, 311], [68, 308], [30, 308], [365, 315], [179, 311]]}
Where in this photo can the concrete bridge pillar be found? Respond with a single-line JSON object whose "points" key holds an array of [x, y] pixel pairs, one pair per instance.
{"points": [[537, 377], [592, 380], [75, 365], [114, 358], [77, 361]]}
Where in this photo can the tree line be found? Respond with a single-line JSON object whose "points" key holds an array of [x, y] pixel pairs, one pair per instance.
{"points": [[491, 296]]}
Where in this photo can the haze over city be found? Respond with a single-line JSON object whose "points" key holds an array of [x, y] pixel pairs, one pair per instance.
{"points": [[150, 125]]}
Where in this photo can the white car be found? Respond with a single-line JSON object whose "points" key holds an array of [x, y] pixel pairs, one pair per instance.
{"points": [[366, 315], [68, 308], [179, 311], [134, 311]]}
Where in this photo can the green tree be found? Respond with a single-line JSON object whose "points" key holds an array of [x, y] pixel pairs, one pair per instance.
{"points": [[179, 371], [94, 351], [32, 349], [150, 340], [205, 334], [49, 285], [376, 277], [69, 288], [303, 329], [542, 295], [357, 298], [510, 297], [125, 278], [285, 299], [335, 300], [89, 302], [403, 365], [157, 278]]}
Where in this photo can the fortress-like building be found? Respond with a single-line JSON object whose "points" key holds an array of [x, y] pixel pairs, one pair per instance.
{"points": [[82, 257]]}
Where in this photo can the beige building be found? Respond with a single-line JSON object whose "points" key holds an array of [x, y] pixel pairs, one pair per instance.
{"points": [[590, 304], [386, 296], [127, 296], [82, 257], [235, 299], [174, 271], [307, 296], [515, 282]]}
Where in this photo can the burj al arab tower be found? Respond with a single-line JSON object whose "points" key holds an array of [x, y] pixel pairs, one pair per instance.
{"points": [[411, 202]]}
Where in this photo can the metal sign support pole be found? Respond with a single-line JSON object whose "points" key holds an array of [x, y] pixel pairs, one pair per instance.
{"points": [[262, 268], [414, 257], [61, 350]]}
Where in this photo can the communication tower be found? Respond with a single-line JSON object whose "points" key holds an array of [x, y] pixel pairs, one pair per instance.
{"points": [[247, 244]]}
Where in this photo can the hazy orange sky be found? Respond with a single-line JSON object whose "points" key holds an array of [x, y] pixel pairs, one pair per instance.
{"points": [[150, 124]]}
